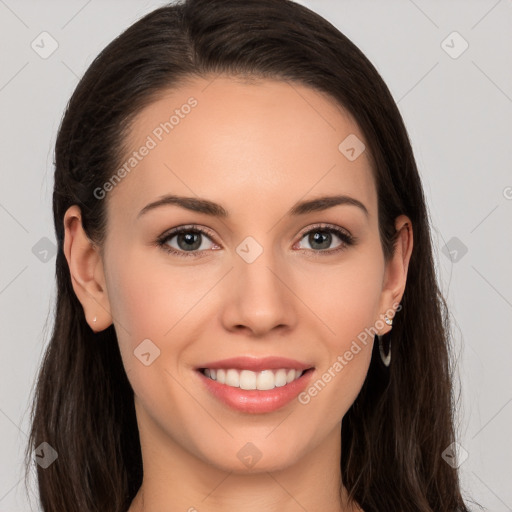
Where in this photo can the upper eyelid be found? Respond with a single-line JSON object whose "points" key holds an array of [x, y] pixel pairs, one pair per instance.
{"points": [[324, 225], [185, 228]]}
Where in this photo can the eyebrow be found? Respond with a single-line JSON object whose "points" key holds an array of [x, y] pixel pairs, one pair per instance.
{"points": [[207, 207]]}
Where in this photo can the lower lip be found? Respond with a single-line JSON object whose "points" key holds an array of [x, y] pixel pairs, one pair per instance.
{"points": [[253, 400]]}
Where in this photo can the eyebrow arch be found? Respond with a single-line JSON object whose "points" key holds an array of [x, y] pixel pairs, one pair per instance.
{"points": [[210, 208]]}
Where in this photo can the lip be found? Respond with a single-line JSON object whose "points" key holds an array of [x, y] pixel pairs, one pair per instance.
{"points": [[255, 401], [257, 364]]}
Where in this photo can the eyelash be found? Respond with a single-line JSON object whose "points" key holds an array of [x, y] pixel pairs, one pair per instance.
{"points": [[346, 239]]}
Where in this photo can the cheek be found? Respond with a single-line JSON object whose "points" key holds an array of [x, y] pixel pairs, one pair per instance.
{"points": [[132, 294], [349, 309], [146, 303], [148, 298], [137, 295], [344, 297], [151, 300], [347, 305]]}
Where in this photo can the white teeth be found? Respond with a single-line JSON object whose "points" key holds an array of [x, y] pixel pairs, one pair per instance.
{"points": [[232, 378], [281, 377], [265, 380], [221, 376], [247, 379]]}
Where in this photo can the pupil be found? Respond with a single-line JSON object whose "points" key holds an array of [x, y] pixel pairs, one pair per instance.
{"points": [[191, 240], [321, 237]]}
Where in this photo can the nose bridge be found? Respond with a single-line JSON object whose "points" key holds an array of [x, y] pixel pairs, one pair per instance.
{"points": [[259, 300]]}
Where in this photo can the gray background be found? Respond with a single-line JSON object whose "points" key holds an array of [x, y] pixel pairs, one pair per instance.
{"points": [[458, 111]]}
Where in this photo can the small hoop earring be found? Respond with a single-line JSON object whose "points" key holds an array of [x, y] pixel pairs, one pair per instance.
{"points": [[386, 358]]}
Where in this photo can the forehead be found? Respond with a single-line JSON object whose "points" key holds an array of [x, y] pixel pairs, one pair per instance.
{"points": [[231, 140]]}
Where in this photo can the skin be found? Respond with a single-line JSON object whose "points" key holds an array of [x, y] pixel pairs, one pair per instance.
{"points": [[256, 149]]}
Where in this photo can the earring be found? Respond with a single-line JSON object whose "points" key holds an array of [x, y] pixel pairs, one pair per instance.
{"points": [[94, 319], [386, 358]]}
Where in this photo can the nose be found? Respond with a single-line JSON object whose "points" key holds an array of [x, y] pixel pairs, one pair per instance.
{"points": [[259, 296]]}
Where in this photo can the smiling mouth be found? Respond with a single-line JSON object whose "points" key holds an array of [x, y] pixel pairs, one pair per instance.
{"points": [[248, 380]]}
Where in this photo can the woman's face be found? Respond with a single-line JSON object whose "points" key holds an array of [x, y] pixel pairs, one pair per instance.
{"points": [[264, 280]]}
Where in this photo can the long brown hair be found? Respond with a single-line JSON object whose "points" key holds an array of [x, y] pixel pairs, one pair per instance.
{"points": [[394, 434]]}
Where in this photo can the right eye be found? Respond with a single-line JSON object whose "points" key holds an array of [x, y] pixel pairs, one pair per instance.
{"points": [[189, 241]]}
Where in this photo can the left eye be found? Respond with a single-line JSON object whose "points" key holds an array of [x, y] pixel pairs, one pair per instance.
{"points": [[321, 238]]}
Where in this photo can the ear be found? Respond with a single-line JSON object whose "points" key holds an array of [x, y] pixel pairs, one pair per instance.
{"points": [[86, 269], [395, 276]]}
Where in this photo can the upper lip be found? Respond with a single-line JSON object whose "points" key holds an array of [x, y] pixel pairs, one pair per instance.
{"points": [[257, 364]]}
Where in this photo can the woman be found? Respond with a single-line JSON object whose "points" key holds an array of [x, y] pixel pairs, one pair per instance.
{"points": [[247, 315]]}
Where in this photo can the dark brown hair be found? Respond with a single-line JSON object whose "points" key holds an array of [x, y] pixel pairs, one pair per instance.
{"points": [[394, 434]]}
